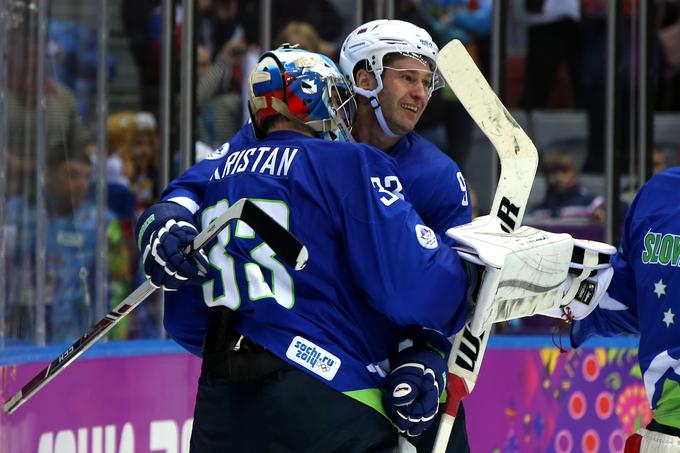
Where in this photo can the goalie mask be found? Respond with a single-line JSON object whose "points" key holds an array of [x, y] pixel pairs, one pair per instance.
{"points": [[372, 42], [304, 87]]}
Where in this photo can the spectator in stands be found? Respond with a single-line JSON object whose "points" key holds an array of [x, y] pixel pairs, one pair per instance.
{"points": [[659, 160], [74, 56], [134, 153], [565, 197], [306, 36], [219, 25], [62, 122], [20, 171], [659, 163], [300, 33], [218, 96], [554, 38], [668, 94], [322, 15], [141, 20], [594, 81], [71, 249]]}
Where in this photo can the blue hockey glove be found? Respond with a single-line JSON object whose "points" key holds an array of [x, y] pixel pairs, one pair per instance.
{"points": [[165, 262], [413, 387]]}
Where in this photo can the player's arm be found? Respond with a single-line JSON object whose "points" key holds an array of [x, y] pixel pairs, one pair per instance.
{"points": [[449, 200], [616, 313], [186, 318], [185, 315], [188, 189], [401, 264]]}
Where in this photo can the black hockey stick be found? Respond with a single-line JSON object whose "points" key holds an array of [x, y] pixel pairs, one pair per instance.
{"points": [[285, 245]]}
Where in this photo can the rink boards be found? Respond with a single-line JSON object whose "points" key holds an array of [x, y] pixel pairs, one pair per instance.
{"points": [[138, 397]]}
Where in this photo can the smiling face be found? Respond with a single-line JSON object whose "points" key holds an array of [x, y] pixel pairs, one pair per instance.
{"points": [[405, 93]]}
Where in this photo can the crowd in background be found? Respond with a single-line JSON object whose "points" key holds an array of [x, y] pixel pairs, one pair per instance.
{"points": [[557, 61]]}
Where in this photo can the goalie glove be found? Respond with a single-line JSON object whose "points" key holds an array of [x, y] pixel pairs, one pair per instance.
{"points": [[590, 273], [524, 272], [412, 389]]}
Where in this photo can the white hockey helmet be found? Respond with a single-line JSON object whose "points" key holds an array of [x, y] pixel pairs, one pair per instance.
{"points": [[372, 41]]}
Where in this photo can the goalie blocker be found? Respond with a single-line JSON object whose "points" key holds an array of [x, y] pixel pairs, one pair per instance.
{"points": [[527, 272]]}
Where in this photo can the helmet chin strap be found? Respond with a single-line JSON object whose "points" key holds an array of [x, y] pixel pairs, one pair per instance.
{"points": [[372, 97]]}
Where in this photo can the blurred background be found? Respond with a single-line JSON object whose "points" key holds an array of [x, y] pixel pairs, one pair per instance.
{"points": [[103, 102]]}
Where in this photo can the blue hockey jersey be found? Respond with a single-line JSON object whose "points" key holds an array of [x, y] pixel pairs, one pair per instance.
{"points": [[433, 182], [374, 270], [644, 293]]}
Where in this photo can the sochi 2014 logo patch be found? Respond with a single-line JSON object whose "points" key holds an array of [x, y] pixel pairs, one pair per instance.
{"points": [[315, 358], [426, 237]]}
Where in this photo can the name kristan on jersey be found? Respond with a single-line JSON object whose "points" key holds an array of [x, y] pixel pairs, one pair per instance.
{"points": [[264, 160]]}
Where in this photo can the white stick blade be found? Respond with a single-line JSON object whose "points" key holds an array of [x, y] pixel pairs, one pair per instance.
{"points": [[518, 155]]}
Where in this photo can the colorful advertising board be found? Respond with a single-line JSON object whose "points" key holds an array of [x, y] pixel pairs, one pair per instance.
{"points": [[139, 397]]}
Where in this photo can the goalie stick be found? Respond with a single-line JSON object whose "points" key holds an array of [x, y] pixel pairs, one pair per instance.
{"points": [[285, 245], [519, 160]]}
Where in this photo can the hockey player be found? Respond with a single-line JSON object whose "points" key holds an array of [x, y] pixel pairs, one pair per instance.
{"points": [[305, 366], [391, 66], [306, 374], [640, 300], [399, 87]]}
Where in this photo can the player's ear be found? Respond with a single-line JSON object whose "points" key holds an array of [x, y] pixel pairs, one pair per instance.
{"points": [[365, 79]]}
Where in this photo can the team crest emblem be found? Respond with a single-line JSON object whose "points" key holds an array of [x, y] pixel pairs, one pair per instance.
{"points": [[426, 237]]}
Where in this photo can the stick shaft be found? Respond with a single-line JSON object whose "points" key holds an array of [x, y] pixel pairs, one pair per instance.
{"points": [[287, 246]]}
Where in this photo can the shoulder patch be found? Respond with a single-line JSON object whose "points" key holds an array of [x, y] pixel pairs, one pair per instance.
{"points": [[219, 152], [426, 237]]}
